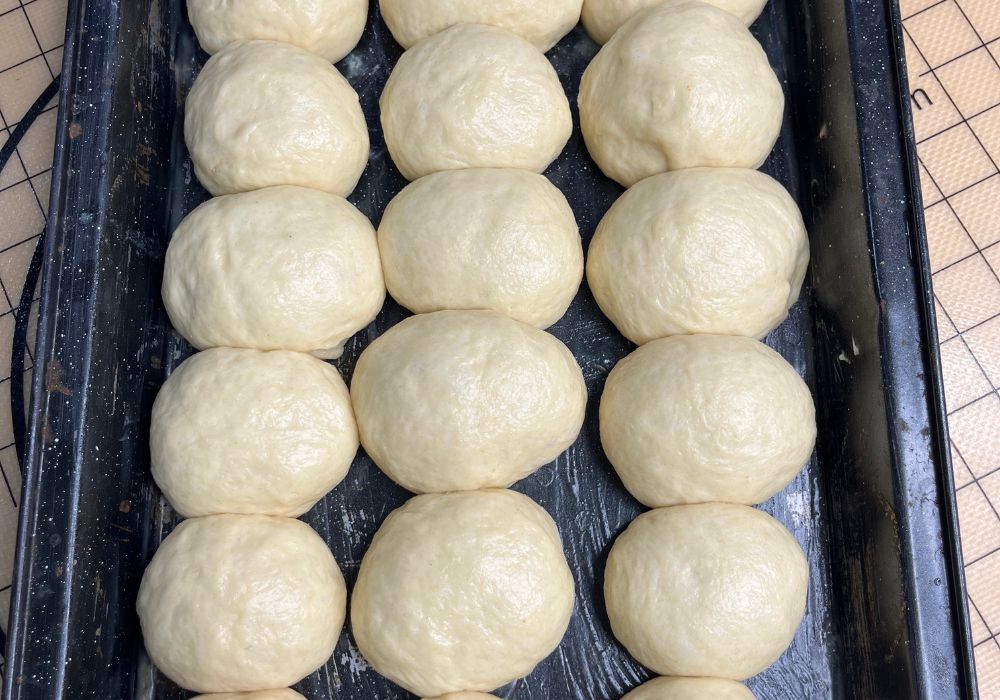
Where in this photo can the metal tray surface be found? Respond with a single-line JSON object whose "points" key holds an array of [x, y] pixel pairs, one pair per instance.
{"points": [[873, 510]]}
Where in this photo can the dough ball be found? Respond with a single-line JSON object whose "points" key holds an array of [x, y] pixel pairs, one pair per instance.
{"points": [[727, 581], [243, 431], [690, 689], [541, 23], [282, 694], [461, 400], [699, 251], [236, 602], [327, 28], [679, 86], [464, 696], [283, 268], [602, 18], [263, 113], [462, 591], [698, 418], [499, 239], [474, 97]]}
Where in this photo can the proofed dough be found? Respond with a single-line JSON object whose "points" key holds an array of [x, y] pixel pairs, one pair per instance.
{"points": [[541, 23], [699, 251], [698, 418], [679, 86], [602, 18], [457, 400], [474, 96], [690, 689], [283, 268], [462, 591], [328, 28], [241, 602], [243, 431], [727, 581], [280, 694], [264, 113], [499, 239]]}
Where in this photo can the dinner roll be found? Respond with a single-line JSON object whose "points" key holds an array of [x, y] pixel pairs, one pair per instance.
{"points": [[498, 239], [602, 18], [327, 28], [243, 431], [690, 689], [504, 108], [240, 602], [458, 400], [281, 694], [283, 268], [727, 581], [264, 113], [541, 23], [462, 591], [699, 251], [698, 418], [679, 86]]}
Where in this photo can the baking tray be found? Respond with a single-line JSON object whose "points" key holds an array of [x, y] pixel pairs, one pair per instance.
{"points": [[873, 510]]}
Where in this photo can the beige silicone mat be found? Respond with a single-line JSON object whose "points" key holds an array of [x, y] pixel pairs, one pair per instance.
{"points": [[953, 50]]}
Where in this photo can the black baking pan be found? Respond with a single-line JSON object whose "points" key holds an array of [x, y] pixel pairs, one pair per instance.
{"points": [[873, 510]]}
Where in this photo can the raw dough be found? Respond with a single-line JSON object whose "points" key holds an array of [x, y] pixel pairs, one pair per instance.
{"points": [[679, 86], [263, 113], [498, 239], [474, 96], [240, 602], [602, 18], [690, 689], [284, 268], [698, 418], [282, 694], [462, 591], [458, 400], [699, 251], [243, 431], [727, 581], [464, 696], [328, 28], [541, 23]]}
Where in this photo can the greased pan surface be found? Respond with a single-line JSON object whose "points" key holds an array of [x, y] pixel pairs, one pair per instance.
{"points": [[873, 509]]}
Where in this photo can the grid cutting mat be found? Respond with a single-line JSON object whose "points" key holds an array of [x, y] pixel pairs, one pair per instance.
{"points": [[953, 53]]}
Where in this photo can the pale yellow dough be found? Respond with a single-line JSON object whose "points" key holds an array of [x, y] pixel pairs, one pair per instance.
{"points": [[234, 603], [499, 239], [283, 268], [698, 418], [464, 696], [460, 400], [264, 113], [728, 582], [679, 86], [327, 28], [281, 694], [474, 96], [710, 250], [541, 23], [690, 689], [461, 591], [602, 18], [243, 431]]}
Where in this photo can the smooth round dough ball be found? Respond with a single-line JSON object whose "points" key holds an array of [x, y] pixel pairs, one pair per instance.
{"points": [[464, 696], [281, 694], [462, 591], [690, 689], [263, 113], [699, 418], [499, 239], [283, 268], [461, 400], [233, 603], [679, 86], [541, 23], [727, 581], [327, 28], [602, 18], [699, 251], [474, 96], [243, 431]]}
